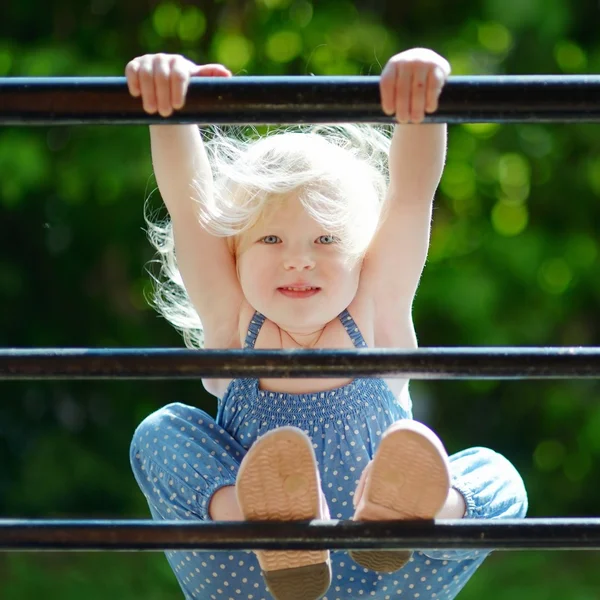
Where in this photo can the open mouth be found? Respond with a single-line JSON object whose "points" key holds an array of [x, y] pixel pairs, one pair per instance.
{"points": [[299, 292]]}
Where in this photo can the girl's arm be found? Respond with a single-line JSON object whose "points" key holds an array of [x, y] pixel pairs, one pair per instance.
{"points": [[410, 86], [185, 181]]}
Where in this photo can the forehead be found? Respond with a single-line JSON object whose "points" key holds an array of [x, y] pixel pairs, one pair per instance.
{"points": [[284, 212]]}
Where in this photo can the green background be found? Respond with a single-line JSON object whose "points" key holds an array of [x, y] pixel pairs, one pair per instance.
{"points": [[513, 261]]}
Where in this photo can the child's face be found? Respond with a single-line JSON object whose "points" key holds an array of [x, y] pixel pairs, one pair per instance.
{"points": [[289, 249]]}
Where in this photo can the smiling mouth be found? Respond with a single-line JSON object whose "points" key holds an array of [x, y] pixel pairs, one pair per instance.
{"points": [[299, 292]]}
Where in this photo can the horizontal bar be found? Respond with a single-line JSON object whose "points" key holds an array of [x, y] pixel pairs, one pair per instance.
{"points": [[504, 534], [423, 363], [298, 99]]}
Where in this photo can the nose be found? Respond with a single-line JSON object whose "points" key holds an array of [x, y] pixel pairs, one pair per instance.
{"points": [[298, 261]]}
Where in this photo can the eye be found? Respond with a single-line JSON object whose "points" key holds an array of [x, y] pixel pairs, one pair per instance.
{"points": [[270, 239], [327, 239]]}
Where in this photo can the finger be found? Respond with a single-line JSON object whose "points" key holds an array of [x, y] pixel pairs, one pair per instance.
{"points": [[212, 70], [146, 78], [180, 78], [435, 83], [162, 84], [133, 78], [403, 90], [387, 89], [418, 92]]}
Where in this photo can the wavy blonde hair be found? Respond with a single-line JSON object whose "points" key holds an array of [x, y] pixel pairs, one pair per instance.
{"points": [[338, 172]]}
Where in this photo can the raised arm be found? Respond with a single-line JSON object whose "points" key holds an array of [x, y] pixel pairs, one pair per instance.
{"points": [[180, 164], [410, 86]]}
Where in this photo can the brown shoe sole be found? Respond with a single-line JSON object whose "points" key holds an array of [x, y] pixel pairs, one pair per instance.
{"points": [[278, 481], [409, 479]]}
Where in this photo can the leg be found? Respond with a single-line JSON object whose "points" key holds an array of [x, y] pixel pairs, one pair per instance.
{"points": [[224, 506], [455, 506], [182, 460], [279, 480], [488, 486], [491, 488], [408, 479]]}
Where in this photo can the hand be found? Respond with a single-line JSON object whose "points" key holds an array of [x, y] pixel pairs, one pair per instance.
{"points": [[411, 83], [162, 80]]}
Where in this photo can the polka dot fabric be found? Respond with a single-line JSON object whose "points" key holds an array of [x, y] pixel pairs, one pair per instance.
{"points": [[180, 456]]}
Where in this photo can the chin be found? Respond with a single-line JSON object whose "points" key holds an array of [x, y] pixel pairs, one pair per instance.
{"points": [[295, 318]]}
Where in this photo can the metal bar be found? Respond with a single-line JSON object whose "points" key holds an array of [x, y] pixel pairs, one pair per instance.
{"points": [[504, 534], [423, 363], [298, 99]]}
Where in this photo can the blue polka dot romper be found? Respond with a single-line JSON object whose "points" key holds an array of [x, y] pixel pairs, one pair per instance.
{"points": [[181, 456]]}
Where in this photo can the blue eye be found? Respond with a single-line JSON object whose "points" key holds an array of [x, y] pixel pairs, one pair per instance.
{"points": [[327, 239], [270, 239]]}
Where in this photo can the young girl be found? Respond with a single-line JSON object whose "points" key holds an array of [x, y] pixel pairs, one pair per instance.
{"points": [[310, 238]]}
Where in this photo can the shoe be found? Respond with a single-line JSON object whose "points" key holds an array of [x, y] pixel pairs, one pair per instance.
{"points": [[408, 479], [278, 480]]}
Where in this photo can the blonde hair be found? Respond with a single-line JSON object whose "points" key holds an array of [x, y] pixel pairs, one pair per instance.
{"points": [[338, 172]]}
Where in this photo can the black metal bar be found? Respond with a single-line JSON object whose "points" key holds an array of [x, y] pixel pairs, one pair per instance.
{"points": [[504, 534], [423, 363], [298, 99]]}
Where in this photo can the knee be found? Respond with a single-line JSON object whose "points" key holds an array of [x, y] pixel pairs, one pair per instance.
{"points": [[150, 431]]}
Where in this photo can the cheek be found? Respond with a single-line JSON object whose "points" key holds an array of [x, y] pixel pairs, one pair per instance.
{"points": [[253, 272], [352, 279], [350, 275], [342, 278], [343, 271], [244, 271]]}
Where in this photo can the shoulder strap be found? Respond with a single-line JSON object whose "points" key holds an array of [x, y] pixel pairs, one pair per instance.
{"points": [[253, 329], [352, 329]]}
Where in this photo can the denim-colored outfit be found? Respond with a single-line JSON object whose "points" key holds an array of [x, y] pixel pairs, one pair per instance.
{"points": [[180, 456]]}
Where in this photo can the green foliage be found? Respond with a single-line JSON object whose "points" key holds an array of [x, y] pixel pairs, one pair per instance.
{"points": [[513, 261]]}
